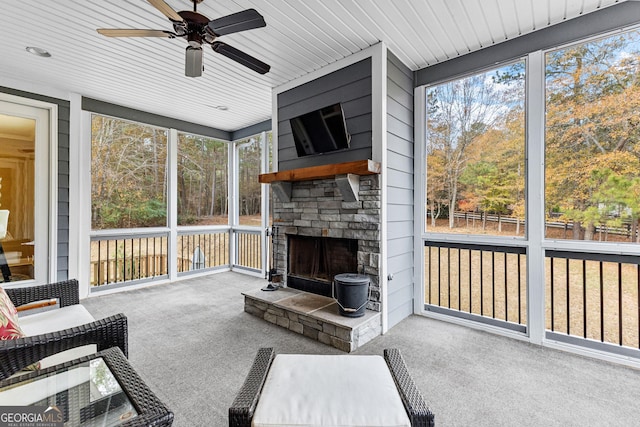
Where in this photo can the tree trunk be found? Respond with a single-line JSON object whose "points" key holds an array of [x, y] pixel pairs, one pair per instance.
{"points": [[212, 205], [434, 213], [452, 206], [182, 193], [577, 227], [484, 220], [590, 231]]}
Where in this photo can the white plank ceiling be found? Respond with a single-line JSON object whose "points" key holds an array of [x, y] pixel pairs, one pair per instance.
{"points": [[300, 37]]}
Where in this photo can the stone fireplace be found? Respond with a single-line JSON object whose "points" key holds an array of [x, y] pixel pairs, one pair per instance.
{"points": [[326, 221], [321, 232]]}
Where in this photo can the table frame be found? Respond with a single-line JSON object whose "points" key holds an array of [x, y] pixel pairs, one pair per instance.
{"points": [[151, 411]]}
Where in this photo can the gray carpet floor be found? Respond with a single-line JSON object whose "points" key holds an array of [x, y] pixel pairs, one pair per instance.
{"points": [[193, 345]]}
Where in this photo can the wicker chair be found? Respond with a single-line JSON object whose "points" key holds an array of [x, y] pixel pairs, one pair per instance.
{"points": [[16, 354], [242, 410]]}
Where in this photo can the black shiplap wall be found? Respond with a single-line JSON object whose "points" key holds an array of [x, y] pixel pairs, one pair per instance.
{"points": [[400, 190], [352, 87], [63, 176]]}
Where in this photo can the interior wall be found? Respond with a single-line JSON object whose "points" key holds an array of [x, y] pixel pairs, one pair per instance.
{"points": [[18, 201], [351, 86]]}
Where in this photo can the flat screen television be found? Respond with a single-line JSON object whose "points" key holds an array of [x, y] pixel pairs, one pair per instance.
{"points": [[320, 131]]}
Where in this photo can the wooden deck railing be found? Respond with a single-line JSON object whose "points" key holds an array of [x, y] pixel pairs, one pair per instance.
{"points": [[132, 268]]}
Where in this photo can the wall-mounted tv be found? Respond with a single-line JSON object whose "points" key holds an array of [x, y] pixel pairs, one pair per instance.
{"points": [[320, 131]]}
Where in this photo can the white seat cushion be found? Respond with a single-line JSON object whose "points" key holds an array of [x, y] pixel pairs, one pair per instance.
{"points": [[338, 391], [57, 320]]}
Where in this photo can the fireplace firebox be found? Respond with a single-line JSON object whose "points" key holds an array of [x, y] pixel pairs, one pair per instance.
{"points": [[313, 262]]}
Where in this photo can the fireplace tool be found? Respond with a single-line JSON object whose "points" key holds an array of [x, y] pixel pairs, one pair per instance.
{"points": [[274, 277]]}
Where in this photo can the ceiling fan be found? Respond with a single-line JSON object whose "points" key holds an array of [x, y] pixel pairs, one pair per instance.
{"points": [[197, 29]]}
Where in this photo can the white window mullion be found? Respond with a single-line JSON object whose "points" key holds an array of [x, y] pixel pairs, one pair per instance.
{"points": [[535, 107], [420, 168]]}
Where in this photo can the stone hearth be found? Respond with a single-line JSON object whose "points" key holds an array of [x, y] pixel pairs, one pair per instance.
{"points": [[313, 316]]}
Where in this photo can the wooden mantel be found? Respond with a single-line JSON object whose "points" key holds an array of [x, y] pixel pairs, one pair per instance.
{"points": [[358, 167], [347, 176]]}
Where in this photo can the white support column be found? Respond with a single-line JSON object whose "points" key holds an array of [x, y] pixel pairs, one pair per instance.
{"points": [[172, 203], [535, 196], [233, 200], [79, 194], [419, 185], [379, 154]]}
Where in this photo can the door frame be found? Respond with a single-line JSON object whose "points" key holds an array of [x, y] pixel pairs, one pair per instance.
{"points": [[46, 116]]}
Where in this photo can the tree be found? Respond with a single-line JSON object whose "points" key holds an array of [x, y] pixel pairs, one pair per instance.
{"points": [[129, 174], [459, 113], [436, 193], [249, 186], [592, 103], [202, 179]]}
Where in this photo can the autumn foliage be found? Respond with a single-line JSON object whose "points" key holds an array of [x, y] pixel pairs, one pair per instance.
{"points": [[476, 140]]}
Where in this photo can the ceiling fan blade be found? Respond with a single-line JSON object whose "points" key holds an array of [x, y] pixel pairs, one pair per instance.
{"points": [[241, 57], [113, 32], [166, 10], [236, 22]]}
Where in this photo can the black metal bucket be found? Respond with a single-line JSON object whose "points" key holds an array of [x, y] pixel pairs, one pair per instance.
{"points": [[352, 293]]}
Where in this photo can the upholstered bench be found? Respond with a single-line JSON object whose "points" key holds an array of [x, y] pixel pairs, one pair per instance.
{"points": [[329, 390]]}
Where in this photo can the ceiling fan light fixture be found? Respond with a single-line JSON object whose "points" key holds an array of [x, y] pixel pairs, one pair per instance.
{"points": [[193, 62], [38, 51]]}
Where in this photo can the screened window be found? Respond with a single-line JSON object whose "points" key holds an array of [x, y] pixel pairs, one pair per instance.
{"points": [[475, 154], [592, 183], [249, 189], [203, 177], [128, 174]]}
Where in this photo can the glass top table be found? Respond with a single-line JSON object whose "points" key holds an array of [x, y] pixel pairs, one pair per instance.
{"points": [[98, 390]]}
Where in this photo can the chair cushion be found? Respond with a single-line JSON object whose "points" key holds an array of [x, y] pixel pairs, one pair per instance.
{"points": [[336, 390], [9, 326], [57, 320]]}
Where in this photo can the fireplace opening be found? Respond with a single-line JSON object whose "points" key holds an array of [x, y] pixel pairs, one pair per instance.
{"points": [[315, 261]]}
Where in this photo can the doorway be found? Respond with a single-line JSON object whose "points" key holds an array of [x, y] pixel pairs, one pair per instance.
{"points": [[24, 192]]}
